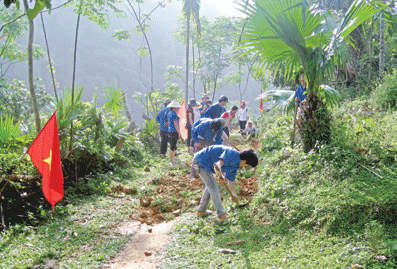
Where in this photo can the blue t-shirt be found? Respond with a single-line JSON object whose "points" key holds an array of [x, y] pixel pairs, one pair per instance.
{"points": [[201, 129], [202, 107], [172, 116], [214, 111], [299, 93], [210, 155], [162, 118]]}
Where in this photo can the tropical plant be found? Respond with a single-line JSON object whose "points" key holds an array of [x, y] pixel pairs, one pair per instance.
{"points": [[68, 111], [8, 130], [114, 97], [287, 36], [117, 129]]}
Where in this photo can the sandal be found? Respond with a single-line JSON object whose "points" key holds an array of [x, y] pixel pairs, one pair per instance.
{"points": [[223, 218], [201, 214]]}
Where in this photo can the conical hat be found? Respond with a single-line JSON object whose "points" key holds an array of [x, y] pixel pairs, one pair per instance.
{"points": [[174, 104]]}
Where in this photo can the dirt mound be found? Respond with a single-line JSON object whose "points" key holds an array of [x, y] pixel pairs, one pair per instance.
{"points": [[249, 187], [176, 193]]}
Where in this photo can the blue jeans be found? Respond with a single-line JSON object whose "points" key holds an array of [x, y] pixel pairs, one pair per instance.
{"points": [[211, 190]]}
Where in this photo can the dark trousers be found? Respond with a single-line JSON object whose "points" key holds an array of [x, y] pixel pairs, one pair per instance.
{"points": [[242, 126], [189, 141], [226, 130], [174, 136], [164, 142]]}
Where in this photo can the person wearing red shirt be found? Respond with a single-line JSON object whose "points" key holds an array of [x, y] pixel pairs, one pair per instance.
{"points": [[228, 116]]}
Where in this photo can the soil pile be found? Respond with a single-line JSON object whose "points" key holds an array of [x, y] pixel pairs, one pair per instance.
{"points": [[179, 193]]}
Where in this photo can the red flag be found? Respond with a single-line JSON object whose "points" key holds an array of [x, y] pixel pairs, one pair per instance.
{"points": [[45, 155], [261, 104], [182, 120]]}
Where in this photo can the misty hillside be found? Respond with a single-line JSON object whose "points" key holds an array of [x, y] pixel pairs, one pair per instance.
{"points": [[101, 59]]}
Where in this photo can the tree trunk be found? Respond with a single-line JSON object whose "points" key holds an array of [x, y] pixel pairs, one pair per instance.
{"points": [[74, 71], [149, 102], [381, 45], [49, 58], [187, 59], [128, 115], [30, 71], [194, 73], [370, 50], [314, 123], [239, 86]]}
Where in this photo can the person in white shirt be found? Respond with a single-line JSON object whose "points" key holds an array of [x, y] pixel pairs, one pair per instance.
{"points": [[243, 117]]}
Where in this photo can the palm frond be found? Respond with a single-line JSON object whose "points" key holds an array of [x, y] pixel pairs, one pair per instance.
{"points": [[114, 98], [8, 130], [280, 99], [329, 95], [281, 32]]}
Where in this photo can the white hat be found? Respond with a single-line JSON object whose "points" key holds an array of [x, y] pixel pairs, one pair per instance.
{"points": [[174, 104]]}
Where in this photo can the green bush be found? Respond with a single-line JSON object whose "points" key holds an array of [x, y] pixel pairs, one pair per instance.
{"points": [[385, 95]]}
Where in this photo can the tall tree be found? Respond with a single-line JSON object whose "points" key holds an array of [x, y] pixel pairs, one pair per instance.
{"points": [[289, 36], [142, 28], [213, 52], [30, 69], [191, 8]]}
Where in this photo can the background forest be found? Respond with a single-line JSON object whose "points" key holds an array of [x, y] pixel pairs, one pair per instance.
{"points": [[107, 66], [111, 47]]}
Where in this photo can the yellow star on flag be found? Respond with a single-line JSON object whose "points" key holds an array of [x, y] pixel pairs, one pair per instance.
{"points": [[48, 160]]}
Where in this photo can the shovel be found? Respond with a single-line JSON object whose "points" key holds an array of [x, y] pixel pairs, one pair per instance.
{"points": [[224, 183]]}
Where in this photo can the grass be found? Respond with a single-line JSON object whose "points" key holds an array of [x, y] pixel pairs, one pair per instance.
{"points": [[83, 233], [77, 235], [332, 208]]}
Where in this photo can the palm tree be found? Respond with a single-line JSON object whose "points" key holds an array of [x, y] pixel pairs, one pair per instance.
{"points": [[190, 8], [288, 36]]}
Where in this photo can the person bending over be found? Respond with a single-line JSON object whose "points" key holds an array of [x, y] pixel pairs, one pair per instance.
{"points": [[228, 161]]}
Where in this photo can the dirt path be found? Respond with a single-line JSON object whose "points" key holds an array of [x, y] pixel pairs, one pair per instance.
{"points": [[133, 255], [172, 191]]}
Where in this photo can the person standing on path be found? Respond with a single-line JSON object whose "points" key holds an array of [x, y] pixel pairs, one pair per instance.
{"points": [[216, 110], [163, 121], [228, 116], [243, 117], [191, 117], [204, 104], [228, 161], [173, 128]]}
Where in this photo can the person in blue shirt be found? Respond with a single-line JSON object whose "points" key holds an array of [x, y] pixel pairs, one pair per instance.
{"points": [[216, 110], [300, 94], [174, 131], [163, 121], [205, 104], [227, 161], [206, 132]]}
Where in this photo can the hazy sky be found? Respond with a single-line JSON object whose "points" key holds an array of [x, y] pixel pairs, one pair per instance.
{"points": [[225, 6]]}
